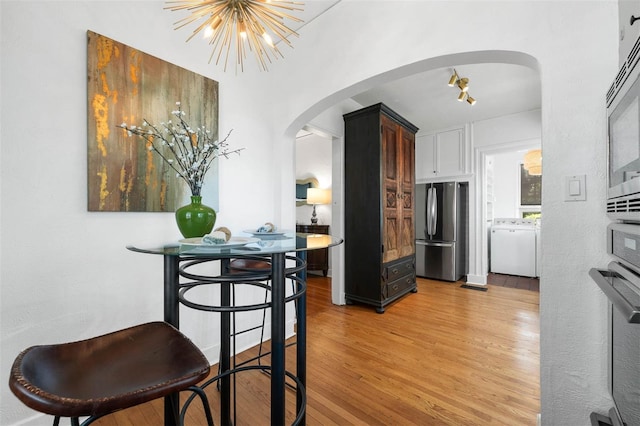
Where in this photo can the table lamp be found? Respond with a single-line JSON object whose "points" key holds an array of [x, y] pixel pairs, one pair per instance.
{"points": [[317, 196]]}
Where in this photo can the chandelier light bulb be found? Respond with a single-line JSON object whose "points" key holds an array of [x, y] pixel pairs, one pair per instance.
{"points": [[268, 39]]}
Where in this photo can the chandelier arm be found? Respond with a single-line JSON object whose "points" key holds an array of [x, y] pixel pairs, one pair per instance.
{"points": [[226, 41], [281, 4], [219, 11], [254, 38], [199, 10], [278, 28], [259, 51], [276, 14], [240, 50], [194, 4], [218, 34]]}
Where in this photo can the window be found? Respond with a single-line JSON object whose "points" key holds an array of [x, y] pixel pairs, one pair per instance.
{"points": [[530, 194]]}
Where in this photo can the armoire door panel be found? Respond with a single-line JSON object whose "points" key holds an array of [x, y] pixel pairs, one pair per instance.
{"points": [[391, 237]]}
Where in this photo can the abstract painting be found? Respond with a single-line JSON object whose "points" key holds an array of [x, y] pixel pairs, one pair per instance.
{"points": [[125, 85]]}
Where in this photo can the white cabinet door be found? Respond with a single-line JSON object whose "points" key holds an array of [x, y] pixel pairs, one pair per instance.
{"points": [[450, 153], [441, 154], [425, 157]]}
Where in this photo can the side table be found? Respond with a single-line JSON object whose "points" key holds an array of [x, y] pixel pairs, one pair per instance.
{"points": [[317, 260]]}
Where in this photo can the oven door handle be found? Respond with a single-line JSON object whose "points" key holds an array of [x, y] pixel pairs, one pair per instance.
{"points": [[601, 278]]}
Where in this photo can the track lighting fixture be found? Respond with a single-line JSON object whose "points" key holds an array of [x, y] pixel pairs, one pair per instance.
{"points": [[463, 85]]}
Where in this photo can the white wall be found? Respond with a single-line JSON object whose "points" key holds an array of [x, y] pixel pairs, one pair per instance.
{"points": [[65, 272], [501, 131]]}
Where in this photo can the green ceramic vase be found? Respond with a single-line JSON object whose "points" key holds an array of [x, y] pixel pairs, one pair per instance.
{"points": [[195, 219]]}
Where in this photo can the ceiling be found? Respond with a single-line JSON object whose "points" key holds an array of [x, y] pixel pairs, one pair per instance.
{"points": [[428, 102]]}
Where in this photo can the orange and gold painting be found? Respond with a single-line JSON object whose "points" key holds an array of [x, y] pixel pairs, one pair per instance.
{"points": [[129, 86]]}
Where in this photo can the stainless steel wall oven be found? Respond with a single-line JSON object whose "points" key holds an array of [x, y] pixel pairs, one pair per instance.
{"points": [[621, 284]]}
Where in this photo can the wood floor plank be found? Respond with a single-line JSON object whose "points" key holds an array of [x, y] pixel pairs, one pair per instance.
{"points": [[443, 356]]}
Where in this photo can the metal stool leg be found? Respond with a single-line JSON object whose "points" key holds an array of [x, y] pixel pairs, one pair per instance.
{"points": [[205, 402]]}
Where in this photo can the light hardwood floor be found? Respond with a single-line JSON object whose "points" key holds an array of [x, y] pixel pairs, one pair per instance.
{"points": [[443, 356]]}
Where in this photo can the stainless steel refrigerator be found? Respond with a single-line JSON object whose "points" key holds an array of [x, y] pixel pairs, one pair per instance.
{"points": [[442, 217]]}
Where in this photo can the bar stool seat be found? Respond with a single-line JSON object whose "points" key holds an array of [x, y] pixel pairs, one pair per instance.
{"points": [[101, 375], [249, 265]]}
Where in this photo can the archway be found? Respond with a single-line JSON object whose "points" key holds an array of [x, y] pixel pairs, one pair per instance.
{"points": [[444, 61]]}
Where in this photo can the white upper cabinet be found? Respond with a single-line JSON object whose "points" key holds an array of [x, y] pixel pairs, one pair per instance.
{"points": [[442, 154]]}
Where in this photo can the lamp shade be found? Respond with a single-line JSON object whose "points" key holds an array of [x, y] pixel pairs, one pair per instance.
{"points": [[318, 196]]}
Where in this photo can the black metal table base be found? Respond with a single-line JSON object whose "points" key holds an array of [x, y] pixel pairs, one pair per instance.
{"points": [[176, 293]]}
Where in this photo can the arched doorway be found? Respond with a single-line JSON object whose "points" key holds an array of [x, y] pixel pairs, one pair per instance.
{"points": [[338, 103]]}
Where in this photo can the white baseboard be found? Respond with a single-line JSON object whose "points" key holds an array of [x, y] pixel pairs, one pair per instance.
{"points": [[477, 279]]}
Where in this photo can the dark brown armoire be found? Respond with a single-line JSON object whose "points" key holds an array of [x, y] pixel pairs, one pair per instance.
{"points": [[379, 206]]}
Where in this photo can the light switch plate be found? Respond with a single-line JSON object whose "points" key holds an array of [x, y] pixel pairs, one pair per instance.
{"points": [[575, 188]]}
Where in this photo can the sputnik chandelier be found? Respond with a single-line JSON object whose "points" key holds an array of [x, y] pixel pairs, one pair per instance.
{"points": [[463, 85], [245, 24]]}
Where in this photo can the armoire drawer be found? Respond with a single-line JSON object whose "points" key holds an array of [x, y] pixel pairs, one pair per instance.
{"points": [[392, 272], [400, 285]]}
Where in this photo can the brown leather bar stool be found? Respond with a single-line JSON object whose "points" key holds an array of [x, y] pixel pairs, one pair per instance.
{"points": [[104, 374]]}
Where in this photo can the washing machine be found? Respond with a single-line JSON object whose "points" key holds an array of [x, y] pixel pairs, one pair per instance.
{"points": [[513, 247]]}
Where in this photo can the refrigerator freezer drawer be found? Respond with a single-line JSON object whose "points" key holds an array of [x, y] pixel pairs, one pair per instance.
{"points": [[437, 261]]}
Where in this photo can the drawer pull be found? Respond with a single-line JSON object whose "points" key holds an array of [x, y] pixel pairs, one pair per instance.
{"points": [[394, 271]]}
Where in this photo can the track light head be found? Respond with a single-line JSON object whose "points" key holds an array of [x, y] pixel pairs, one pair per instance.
{"points": [[453, 80], [470, 100], [463, 84], [461, 96]]}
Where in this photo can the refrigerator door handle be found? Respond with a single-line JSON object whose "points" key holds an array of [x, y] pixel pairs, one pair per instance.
{"points": [[432, 244], [434, 211], [428, 210]]}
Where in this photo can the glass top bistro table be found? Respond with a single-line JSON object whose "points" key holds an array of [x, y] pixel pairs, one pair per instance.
{"points": [[286, 252]]}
